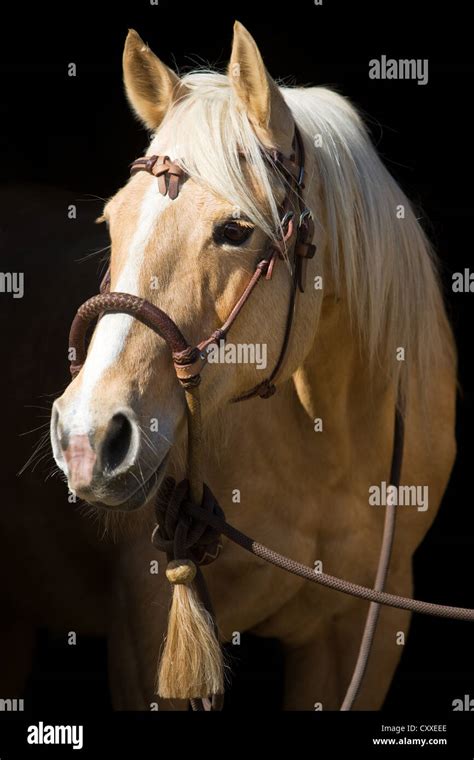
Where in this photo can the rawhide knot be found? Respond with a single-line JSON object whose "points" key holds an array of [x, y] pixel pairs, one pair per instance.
{"points": [[181, 572], [180, 535]]}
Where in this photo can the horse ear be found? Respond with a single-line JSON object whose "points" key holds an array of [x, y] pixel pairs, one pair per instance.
{"points": [[257, 92], [150, 85]]}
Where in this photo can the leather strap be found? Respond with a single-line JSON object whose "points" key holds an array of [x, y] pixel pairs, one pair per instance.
{"points": [[303, 249], [169, 173]]}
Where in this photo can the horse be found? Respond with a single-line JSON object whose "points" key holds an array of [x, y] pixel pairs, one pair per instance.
{"points": [[295, 470]]}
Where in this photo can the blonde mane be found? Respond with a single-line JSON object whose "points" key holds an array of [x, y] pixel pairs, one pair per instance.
{"points": [[382, 265]]}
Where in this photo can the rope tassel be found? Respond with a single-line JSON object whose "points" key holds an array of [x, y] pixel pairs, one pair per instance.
{"points": [[191, 664]]}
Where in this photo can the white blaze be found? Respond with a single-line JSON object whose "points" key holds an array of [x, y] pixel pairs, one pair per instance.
{"points": [[111, 333]]}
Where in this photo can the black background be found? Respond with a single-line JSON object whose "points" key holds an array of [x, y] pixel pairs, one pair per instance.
{"points": [[78, 134]]}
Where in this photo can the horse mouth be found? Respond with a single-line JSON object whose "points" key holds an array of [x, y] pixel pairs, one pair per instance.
{"points": [[139, 497]]}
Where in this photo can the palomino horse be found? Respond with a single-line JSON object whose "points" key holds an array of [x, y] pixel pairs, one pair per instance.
{"points": [[298, 470]]}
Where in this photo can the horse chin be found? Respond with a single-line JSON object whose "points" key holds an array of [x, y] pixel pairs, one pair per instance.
{"points": [[139, 498]]}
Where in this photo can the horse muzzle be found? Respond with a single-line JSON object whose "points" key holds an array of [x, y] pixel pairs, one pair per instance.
{"points": [[108, 464]]}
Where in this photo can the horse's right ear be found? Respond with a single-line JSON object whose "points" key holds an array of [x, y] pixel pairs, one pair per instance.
{"points": [[150, 85], [258, 94]]}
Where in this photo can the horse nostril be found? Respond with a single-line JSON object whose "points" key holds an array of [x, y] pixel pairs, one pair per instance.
{"points": [[117, 442]]}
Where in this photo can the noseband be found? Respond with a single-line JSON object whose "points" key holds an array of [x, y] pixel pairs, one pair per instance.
{"points": [[191, 526]]}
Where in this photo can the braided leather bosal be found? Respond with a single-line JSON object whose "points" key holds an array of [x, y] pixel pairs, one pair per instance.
{"points": [[190, 521]]}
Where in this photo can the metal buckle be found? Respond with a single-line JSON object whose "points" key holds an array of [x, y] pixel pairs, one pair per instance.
{"points": [[287, 217], [306, 218]]}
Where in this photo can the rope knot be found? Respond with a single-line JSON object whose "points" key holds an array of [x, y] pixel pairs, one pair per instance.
{"points": [[186, 540], [181, 572]]}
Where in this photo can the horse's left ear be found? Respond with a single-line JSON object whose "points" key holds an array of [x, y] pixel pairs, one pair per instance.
{"points": [[257, 92], [150, 85]]}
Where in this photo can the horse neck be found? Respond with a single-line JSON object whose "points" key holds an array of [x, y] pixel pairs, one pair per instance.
{"points": [[337, 383], [333, 384]]}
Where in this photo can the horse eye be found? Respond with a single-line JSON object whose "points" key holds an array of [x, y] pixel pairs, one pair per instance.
{"points": [[232, 233]]}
